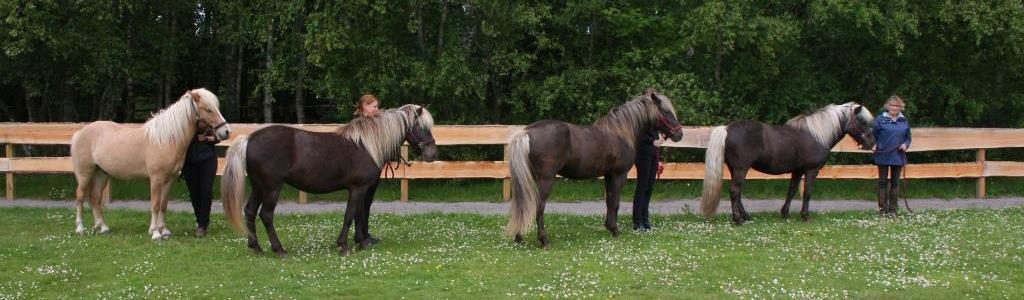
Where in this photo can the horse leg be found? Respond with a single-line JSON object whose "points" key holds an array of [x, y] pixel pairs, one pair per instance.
{"points": [[365, 216], [805, 213], [613, 187], [267, 216], [739, 177], [162, 221], [794, 181], [355, 195], [544, 190], [99, 182], [251, 207], [83, 190], [155, 188]]}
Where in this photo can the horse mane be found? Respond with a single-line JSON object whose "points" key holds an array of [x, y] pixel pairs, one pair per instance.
{"points": [[383, 134], [628, 119], [825, 124], [171, 124]]}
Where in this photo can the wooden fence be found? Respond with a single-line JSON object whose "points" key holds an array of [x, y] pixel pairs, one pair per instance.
{"points": [[925, 139]]}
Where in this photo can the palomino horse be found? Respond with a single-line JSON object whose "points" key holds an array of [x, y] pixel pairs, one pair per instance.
{"points": [[351, 158], [156, 150], [800, 148], [606, 148]]}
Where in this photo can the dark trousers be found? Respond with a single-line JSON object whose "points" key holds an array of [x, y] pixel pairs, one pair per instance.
{"points": [[889, 176], [199, 178], [646, 170]]}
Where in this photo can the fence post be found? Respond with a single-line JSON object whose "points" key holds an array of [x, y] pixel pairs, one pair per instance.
{"points": [[981, 179], [506, 183], [302, 197], [405, 181], [10, 176]]}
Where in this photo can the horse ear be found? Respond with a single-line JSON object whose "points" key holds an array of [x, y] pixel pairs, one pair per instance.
{"points": [[419, 111], [654, 96], [857, 108], [195, 96]]}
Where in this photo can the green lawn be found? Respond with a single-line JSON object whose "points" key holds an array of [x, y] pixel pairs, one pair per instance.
{"points": [[63, 187], [935, 255]]}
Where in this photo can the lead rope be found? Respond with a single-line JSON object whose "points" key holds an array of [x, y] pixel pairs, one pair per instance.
{"points": [[903, 182]]}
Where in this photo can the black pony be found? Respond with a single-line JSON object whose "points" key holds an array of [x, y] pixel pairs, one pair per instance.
{"points": [[319, 162], [801, 148], [606, 148]]}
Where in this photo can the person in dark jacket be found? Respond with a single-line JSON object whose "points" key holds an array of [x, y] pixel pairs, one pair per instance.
{"points": [[199, 170], [892, 136], [648, 166]]}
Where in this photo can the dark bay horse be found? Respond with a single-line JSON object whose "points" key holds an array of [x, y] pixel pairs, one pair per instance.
{"points": [[319, 162], [800, 148], [606, 148]]}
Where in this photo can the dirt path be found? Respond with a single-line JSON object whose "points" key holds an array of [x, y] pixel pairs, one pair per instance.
{"points": [[579, 208]]}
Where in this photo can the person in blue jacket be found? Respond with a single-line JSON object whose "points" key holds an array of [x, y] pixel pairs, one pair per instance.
{"points": [[892, 137]]}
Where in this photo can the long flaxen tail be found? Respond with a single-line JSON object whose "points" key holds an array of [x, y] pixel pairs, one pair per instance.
{"points": [[713, 161], [232, 185], [524, 187]]}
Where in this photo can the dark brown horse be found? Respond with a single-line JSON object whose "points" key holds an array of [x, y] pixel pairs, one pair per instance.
{"points": [[801, 148], [606, 148], [319, 162]]}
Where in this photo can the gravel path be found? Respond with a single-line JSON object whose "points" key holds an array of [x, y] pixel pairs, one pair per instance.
{"points": [[578, 208]]}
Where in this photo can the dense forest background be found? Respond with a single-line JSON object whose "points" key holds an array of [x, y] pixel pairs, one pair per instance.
{"points": [[958, 63]]}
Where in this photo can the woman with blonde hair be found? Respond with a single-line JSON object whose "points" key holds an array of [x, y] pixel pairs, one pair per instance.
{"points": [[892, 137]]}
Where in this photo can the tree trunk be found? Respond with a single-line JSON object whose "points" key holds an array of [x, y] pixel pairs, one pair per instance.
{"points": [[239, 71], [28, 103], [440, 28], [300, 80], [268, 92]]}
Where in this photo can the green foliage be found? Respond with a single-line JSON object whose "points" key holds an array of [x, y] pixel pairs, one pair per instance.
{"points": [[958, 63]]}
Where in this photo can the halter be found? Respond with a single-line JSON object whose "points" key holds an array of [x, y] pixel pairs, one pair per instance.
{"points": [[664, 122], [195, 111], [853, 127], [415, 139]]}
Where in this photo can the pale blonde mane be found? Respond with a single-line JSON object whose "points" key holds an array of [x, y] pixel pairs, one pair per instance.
{"points": [[826, 124], [628, 119], [382, 135], [172, 124]]}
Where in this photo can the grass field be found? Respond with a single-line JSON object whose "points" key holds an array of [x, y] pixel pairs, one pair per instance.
{"points": [[63, 187], [935, 255]]}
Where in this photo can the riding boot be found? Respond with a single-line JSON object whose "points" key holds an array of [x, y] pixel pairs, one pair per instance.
{"points": [[883, 201], [894, 200]]}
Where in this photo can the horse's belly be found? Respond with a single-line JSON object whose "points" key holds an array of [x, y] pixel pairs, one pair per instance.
{"points": [[121, 156]]}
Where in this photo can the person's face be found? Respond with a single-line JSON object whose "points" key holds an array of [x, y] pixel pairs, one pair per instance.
{"points": [[895, 108], [371, 109]]}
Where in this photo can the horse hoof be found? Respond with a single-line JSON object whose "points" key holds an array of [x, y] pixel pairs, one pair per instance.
{"points": [[805, 219], [156, 236], [343, 250], [519, 239], [165, 233], [80, 230], [281, 254], [104, 229]]}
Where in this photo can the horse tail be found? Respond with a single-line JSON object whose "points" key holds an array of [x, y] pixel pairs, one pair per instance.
{"points": [[232, 185], [524, 187], [713, 161]]}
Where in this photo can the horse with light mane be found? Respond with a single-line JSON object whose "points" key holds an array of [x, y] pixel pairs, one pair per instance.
{"points": [[320, 162], [156, 151], [800, 148], [607, 148]]}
